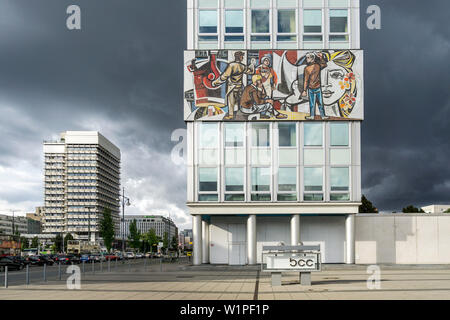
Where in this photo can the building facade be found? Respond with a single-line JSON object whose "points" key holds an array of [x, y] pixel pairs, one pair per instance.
{"points": [[274, 100], [436, 208], [144, 223], [10, 225], [82, 179], [185, 239]]}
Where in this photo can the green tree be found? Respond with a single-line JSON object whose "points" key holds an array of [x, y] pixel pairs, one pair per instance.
{"points": [[412, 209], [174, 243], [35, 242], [151, 239], [135, 235], [366, 206], [107, 228], [66, 239], [165, 241], [58, 243], [23, 243]]}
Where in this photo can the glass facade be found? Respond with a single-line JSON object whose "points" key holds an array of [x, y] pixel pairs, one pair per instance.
{"points": [[270, 161]]}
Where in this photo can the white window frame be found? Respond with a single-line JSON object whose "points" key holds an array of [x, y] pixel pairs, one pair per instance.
{"points": [[303, 33], [197, 27], [251, 33], [243, 166], [349, 191], [244, 26], [348, 33], [277, 165], [295, 33]]}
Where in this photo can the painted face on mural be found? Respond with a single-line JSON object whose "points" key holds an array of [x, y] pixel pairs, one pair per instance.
{"points": [[333, 83]]}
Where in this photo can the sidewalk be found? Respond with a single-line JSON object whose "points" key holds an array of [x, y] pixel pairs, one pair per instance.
{"points": [[179, 282]]}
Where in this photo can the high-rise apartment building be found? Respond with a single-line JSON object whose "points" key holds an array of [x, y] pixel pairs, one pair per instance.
{"points": [[273, 103], [82, 179]]}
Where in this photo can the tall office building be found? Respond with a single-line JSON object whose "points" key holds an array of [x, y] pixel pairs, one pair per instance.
{"points": [[273, 103], [82, 179]]}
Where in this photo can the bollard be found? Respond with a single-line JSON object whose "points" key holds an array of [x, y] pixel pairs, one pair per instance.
{"points": [[93, 266], [101, 265], [6, 276], [83, 266], [109, 265], [45, 272], [27, 275], [160, 264], [129, 265], [59, 271], [115, 265], [145, 263]]}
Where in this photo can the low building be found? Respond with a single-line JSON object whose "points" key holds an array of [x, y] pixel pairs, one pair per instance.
{"points": [[436, 208], [11, 224], [144, 223], [185, 239]]}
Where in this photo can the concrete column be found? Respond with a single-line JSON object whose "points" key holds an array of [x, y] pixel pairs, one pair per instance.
{"points": [[295, 229], [251, 239], [197, 241], [205, 242], [350, 239]]}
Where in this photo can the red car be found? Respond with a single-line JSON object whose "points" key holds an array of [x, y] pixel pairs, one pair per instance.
{"points": [[111, 256]]}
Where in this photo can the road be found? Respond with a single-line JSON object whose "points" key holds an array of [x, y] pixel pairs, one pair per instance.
{"points": [[36, 273]]}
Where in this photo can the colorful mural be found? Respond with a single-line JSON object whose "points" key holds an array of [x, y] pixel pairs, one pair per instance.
{"points": [[246, 85]]}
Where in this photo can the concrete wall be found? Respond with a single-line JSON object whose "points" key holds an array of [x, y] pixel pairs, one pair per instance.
{"points": [[402, 239], [228, 242]]}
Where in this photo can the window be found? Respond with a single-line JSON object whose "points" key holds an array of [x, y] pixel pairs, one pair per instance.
{"points": [[312, 25], [313, 134], [207, 178], [234, 184], [339, 184], [260, 25], [287, 184], [234, 25], [207, 26], [339, 134], [287, 25], [234, 134], [287, 135], [338, 25], [313, 184], [260, 180], [208, 143], [260, 134]]}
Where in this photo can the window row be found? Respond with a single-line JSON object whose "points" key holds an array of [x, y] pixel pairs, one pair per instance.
{"points": [[234, 24], [286, 185], [260, 133]]}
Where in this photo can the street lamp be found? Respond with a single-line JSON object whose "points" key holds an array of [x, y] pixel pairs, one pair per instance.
{"points": [[125, 201]]}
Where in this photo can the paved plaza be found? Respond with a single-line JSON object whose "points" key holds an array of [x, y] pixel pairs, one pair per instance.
{"points": [[186, 282]]}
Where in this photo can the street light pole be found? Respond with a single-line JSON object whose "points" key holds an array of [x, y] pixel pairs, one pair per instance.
{"points": [[123, 217]]}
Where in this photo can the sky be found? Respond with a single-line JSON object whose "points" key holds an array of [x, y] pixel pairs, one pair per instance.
{"points": [[121, 74]]}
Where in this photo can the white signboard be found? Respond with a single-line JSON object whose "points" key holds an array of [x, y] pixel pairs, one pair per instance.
{"points": [[294, 262]]}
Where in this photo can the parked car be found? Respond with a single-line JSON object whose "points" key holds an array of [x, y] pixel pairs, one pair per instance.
{"points": [[10, 263], [68, 259], [47, 260], [96, 257], [19, 259], [85, 258], [139, 255], [119, 255], [130, 255], [111, 256], [36, 260]]}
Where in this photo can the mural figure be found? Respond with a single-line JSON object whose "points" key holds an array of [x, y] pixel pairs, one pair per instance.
{"points": [[290, 85], [233, 76], [268, 74], [312, 86], [255, 100]]}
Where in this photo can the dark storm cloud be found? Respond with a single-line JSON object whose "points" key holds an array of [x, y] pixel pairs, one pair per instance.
{"points": [[405, 149], [122, 75]]}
